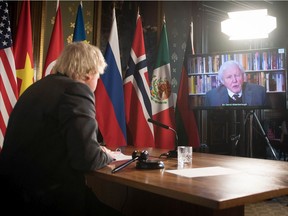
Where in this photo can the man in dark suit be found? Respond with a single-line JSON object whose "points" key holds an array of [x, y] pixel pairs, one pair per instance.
{"points": [[233, 89], [51, 141]]}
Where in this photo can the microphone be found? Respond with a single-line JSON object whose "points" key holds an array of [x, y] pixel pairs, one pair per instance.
{"points": [[158, 123], [172, 153]]}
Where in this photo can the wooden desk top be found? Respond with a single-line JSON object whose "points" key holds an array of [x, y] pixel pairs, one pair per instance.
{"points": [[258, 179]]}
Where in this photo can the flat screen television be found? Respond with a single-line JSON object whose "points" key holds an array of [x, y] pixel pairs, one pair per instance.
{"points": [[265, 67]]}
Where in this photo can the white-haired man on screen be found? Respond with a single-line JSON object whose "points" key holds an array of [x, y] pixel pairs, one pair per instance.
{"points": [[233, 89]]}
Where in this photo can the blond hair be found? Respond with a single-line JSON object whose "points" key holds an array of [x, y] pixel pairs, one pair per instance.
{"points": [[79, 59]]}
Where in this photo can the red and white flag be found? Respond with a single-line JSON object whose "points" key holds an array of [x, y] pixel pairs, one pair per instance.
{"points": [[8, 81], [137, 94], [56, 44]]}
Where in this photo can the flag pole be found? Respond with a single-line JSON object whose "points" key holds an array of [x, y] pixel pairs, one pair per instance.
{"points": [[192, 38]]}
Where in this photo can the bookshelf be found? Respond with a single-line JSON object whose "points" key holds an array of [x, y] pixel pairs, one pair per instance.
{"points": [[266, 67]]}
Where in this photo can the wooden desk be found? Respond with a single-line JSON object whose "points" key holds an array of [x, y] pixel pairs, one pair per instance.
{"points": [[156, 192]]}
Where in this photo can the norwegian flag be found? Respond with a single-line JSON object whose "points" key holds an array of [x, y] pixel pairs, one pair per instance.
{"points": [[137, 94]]}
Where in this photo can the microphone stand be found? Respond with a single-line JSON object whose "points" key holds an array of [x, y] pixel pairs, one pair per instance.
{"points": [[172, 153]]}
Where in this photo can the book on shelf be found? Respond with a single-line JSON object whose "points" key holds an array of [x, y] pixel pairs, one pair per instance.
{"points": [[275, 82], [215, 63], [256, 61], [202, 84], [264, 61]]}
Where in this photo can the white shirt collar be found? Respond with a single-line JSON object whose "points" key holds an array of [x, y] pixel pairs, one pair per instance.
{"points": [[230, 93]]}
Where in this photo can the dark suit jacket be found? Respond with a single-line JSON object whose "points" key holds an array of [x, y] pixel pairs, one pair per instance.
{"points": [[252, 95], [50, 141]]}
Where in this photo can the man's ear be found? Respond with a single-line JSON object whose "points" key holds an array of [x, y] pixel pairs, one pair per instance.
{"points": [[87, 77]]}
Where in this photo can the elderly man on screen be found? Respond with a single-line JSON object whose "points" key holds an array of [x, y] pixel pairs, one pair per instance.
{"points": [[233, 89]]}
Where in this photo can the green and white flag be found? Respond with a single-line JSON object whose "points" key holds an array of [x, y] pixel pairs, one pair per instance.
{"points": [[161, 95]]}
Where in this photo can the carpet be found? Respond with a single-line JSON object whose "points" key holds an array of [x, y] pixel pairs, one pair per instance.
{"points": [[274, 207]]}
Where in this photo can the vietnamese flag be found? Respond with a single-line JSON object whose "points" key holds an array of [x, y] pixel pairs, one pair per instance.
{"points": [[23, 49]]}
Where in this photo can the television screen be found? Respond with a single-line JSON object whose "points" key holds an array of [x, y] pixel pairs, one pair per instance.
{"points": [[252, 79]]}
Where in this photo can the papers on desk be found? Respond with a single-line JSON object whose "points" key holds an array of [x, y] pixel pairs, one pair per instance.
{"points": [[119, 156], [203, 172]]}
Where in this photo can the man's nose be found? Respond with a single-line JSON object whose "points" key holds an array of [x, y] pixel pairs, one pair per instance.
{"points": [[234, 78]]}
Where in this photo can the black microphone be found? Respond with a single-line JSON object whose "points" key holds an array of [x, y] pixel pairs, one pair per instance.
{"points": [[158, 123], [172, 153]]}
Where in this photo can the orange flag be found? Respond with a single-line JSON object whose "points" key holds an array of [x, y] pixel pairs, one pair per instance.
{"points": [[23, 49]]}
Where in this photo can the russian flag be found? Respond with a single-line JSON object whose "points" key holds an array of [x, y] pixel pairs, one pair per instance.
{"points": [[137, 94], [109, 95]]}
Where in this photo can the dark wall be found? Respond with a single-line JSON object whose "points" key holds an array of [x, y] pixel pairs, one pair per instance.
{"points": [[215, 12]]}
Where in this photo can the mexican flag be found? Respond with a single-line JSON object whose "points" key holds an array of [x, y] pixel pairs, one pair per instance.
{"points": [[161, 95]]}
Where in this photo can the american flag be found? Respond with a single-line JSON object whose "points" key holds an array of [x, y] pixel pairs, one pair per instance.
{"points": [[8, 81]]}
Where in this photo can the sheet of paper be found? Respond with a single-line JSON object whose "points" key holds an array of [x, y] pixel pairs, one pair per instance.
{"points": [[119, 156], [202, 172]]}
